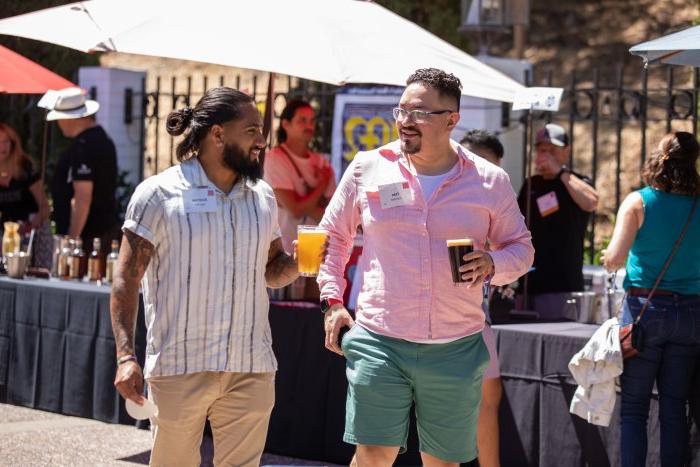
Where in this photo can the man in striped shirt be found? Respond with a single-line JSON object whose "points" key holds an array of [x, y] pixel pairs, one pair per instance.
{"points": [[203, 241]]}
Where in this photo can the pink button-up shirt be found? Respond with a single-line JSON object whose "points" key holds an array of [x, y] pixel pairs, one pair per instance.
{"points": [[407, 289]]}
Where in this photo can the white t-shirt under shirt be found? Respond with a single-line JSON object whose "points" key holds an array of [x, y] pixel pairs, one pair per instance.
{"points": [[281, 174], [428, 185]]}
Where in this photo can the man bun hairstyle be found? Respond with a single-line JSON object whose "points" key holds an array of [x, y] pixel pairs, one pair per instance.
{"points": [[217, 106], [288, 114], [446, 84], [178, 121]]}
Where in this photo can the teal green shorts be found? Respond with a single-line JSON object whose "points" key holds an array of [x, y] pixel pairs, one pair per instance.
{"points": [[386, 376]]}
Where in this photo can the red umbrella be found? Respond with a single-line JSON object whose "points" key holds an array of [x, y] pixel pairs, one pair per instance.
{"points": [[19, 75]]}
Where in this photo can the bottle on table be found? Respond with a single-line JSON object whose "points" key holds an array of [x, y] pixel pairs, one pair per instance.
{"points": [[10, 238], [77, 260], [94, 267], [112, 262], [63, 266], [57, 244]]}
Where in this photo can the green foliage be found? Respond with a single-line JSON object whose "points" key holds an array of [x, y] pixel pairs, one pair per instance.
{"points": [[600, 245], [441, 17], [123, 194]]}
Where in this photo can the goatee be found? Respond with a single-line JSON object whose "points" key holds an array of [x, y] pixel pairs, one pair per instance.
{"points": [[236, 159]]}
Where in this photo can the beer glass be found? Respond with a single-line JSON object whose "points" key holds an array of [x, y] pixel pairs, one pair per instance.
{"points": [[456, 249], [310, 241]]}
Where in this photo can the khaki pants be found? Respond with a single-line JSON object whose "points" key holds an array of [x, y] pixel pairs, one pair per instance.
{"points": [[238, 406]]}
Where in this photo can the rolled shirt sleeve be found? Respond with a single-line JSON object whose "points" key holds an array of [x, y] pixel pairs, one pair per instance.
{"points": [[511, 243], [145, 211]]}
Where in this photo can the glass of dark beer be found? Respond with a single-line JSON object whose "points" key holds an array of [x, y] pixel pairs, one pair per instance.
{"points": [[457, 249]]}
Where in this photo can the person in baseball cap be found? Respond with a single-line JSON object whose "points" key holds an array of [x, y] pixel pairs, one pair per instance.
{"points": [[560, 204], [85, 177], [554, 134]]}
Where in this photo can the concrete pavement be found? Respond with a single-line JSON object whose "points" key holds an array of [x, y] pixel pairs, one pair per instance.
{"points": [[35, 438]]}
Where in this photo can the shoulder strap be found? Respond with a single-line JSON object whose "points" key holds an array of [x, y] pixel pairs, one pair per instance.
{"points": [[676, 246], [291, 159]]}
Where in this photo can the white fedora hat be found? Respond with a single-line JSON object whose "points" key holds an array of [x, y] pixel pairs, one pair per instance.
{"points": [[67, 103]]}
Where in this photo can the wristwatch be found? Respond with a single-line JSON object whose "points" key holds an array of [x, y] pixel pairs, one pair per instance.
{"points": [[326, 303], [564, 170]]}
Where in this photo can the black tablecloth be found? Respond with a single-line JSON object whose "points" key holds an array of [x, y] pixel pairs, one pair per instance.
{"points": [[309, 415], [58, 348], [57, 354], [536, 426]]}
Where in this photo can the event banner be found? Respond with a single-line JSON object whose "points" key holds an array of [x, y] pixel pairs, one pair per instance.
{"points": [[362, 121]]}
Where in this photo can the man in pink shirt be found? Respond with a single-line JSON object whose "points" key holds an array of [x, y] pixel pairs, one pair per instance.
{"points": [[418, 336]]}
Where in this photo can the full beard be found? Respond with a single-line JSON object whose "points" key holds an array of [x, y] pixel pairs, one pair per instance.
{"points": [[236, 159]]}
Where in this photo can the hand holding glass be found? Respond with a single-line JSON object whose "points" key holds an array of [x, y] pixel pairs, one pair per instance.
{"points": [[457, 249], [310, 248]]}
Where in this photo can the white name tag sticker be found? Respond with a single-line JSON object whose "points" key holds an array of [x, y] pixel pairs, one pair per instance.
{"points": [[548, 204], [199, 200], [394, 194]]}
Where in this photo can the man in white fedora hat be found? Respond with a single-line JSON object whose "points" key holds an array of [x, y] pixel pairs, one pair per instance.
{"points": [[85, 178]]}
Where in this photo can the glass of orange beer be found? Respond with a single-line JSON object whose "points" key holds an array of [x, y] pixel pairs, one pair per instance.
{"points": [[310, 241]]}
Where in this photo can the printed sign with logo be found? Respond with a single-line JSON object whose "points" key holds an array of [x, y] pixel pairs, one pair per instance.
{"points": [[362, 122]]}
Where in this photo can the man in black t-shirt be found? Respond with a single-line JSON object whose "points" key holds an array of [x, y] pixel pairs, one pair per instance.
{"points": [[85, 179], [560, 205]]}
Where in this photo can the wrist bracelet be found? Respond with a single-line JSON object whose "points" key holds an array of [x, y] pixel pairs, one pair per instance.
{"points": [[126, 358], [563, 170]]}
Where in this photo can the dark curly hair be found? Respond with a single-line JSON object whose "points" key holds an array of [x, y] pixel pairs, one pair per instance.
{"points": [[672, 166], [217, 106], [288, 114], [484, 139], [446, 84]]}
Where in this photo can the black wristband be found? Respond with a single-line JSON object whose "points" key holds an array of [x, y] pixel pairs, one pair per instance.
{"points": [[327, 303], [563, 170]]}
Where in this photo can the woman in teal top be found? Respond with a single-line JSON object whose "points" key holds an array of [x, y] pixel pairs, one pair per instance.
{"points": [[648, 225]]}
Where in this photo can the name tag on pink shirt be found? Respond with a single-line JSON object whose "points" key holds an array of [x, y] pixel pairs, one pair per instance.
{"points": [[394, 194]]}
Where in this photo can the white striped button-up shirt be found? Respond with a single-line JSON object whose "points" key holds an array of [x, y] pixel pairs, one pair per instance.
{"points": [[204, 291]]}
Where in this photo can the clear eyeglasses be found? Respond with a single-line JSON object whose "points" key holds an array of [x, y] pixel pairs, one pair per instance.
{"points": [[416, 116]]}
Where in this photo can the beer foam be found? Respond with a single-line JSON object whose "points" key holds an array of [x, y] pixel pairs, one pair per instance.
{"points": [[460, 242]]}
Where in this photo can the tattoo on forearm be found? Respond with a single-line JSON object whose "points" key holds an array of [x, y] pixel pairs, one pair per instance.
{"points": [[134, 257], [281, 268]]}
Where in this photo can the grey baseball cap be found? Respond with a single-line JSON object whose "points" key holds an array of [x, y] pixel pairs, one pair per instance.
{"points": [[552, 133]]}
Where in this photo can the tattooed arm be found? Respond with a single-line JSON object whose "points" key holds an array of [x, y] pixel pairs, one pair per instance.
{"points": [[134, 256], [281, 268]]}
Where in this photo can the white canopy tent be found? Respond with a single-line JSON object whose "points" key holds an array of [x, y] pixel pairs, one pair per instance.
{"points": [[680, 48], [331, 41]]}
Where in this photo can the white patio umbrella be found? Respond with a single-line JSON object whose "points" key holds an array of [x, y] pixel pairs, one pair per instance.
{"points": [[680, 48], [332, 41]]}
